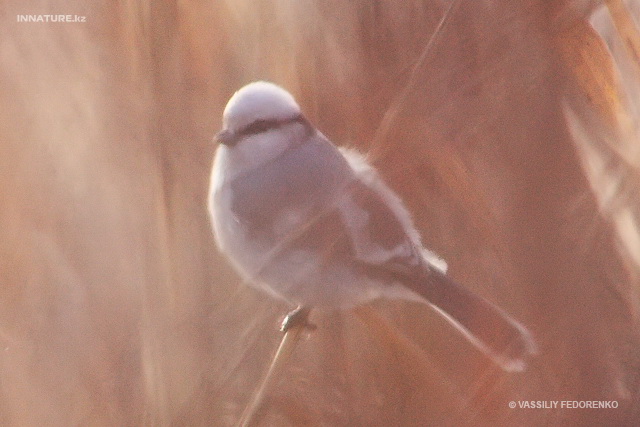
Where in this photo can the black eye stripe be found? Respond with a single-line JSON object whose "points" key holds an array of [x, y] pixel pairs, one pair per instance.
{"points": [[263, 125], [259, 126]]}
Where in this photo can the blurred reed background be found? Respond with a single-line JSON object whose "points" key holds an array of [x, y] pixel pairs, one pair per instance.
{"points": [[514, 139]]}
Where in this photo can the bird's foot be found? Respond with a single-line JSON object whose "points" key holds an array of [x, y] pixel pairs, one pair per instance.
{"points": [[296, 318]]}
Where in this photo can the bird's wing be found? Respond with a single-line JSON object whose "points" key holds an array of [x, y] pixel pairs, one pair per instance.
{"points": [[378, 237], [383, 249]]}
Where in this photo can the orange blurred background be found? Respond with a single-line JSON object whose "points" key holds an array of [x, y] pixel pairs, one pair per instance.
{"points": [[511, 129]]}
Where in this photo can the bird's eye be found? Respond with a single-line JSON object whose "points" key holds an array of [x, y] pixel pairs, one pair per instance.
{"points": [[259, 126]]}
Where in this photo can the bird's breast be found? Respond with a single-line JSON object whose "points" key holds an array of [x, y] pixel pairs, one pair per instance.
{"points": [[282, 194]]}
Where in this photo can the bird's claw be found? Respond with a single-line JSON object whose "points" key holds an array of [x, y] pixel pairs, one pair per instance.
{"points": [[296, 318]]}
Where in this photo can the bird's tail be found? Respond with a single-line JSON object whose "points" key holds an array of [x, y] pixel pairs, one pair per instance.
{"points": [[493, 331]]}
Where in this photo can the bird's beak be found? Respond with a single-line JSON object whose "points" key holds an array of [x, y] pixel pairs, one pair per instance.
{"points": [[227, 137]]}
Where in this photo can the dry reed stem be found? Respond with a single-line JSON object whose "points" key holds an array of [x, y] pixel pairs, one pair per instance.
{"points": [[288, 343]]}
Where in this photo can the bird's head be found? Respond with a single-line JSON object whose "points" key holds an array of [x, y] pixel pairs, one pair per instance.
{"points": [[260, 122], [256, 109]]}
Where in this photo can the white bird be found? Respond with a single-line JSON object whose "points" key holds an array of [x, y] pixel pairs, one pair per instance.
{"points": [[316, 226]]}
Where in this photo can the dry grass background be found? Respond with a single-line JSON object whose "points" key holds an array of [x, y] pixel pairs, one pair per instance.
{"points": [[514, 140]]}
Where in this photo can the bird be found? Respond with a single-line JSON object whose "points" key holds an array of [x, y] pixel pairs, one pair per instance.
{"points": [[315, 225]]}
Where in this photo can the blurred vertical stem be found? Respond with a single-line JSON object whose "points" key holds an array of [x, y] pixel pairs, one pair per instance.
{"points": [[627, 29], [396, 106]]}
